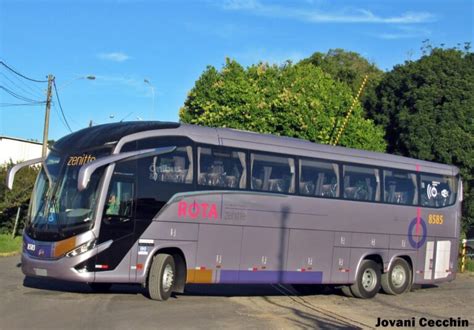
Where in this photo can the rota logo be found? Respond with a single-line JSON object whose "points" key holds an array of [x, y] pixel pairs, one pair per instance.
{"points": [[194, 210]]}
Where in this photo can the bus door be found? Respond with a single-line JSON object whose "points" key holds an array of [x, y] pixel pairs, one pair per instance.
{"points": [[118, 223]]}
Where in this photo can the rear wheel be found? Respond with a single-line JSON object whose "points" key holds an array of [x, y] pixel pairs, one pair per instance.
{"points": [[367, 283], [162, 277], [398, 278], [346, 289]]}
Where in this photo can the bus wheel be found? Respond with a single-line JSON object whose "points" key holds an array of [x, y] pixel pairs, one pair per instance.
{"points": [[346, 290], [367, 283], [398, 278], [162, 277], [100, 287]]}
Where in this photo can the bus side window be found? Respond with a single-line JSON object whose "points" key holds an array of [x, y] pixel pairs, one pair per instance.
{"points": [[361, 183], [400, 187], [438, 190], [318, 179], [219, 167], [175, 167], [272, 173]]}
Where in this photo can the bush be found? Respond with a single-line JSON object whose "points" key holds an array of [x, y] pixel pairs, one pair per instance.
{"points": [[19, 196]]}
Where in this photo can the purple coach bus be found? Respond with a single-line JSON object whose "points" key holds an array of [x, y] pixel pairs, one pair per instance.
{"points": [[166, 204]]}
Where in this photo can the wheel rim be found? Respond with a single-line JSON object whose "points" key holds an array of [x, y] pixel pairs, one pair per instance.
{"points": [[369, 279], [168, 278], [398, 276]]}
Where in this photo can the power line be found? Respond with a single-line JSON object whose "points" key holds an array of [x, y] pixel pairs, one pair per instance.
{"points": [[21, 75], [20, 87], [60, 106], [5, 105], [18, 96], [31, 86]]}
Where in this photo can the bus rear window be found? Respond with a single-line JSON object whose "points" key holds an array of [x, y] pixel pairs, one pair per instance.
{"points": [[438, 190]]}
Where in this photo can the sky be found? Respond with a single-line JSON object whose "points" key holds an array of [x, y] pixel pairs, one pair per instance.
{"points": [[146, 55]]}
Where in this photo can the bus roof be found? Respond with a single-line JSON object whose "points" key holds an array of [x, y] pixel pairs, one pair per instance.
{"points": [[107, 133], [129, 131]]}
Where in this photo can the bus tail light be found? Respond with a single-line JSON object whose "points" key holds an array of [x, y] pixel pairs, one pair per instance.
{"points": [[82, 248]]}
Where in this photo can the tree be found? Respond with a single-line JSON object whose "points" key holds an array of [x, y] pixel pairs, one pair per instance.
{"points": [[349, 68], [291, 100], [427, 110], [19, 196]]}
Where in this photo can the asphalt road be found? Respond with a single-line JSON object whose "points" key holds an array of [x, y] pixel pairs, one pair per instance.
{"points": [[40, 303]]}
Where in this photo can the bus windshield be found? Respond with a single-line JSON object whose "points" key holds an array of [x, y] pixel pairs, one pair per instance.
{"points": [[58, 209]]}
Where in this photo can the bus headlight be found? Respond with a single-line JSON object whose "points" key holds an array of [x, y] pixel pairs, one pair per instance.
{"points": [[82, 248]]}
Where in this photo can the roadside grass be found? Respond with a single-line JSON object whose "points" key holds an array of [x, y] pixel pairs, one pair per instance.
{"points": [[9, 244], [469, 265]]}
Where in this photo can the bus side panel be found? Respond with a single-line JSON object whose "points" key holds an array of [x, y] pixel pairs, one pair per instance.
{"points": [[445, 259], [218, 254], [340, 265], [425, 262], [309, 256], [264, 252]]}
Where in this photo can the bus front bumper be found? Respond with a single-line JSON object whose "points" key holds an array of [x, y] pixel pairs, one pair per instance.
{"points": [[63, 268]]}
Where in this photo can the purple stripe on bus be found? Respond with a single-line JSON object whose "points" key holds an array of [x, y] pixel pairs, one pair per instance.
{"points": [[229, 276], [269, 276]]}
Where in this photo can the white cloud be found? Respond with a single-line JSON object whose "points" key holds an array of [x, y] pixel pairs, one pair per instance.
{"points": [[309, 14], [114, 56], [404, 32]]}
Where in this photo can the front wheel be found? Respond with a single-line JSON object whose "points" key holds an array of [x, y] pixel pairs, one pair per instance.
{"points": [[398, 278], [367, 283], [162, 277]]}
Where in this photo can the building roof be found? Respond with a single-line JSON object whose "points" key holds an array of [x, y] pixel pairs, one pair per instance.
{"points": [[19, 139]]}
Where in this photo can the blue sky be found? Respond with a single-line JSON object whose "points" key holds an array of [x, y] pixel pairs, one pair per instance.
{"points": [[170, 43]]}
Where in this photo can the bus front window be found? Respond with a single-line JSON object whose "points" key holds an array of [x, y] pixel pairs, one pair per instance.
{"points": [[58, 209]]}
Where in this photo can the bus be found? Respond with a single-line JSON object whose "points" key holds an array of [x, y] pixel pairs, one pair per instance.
{"points": [[166, 204]]}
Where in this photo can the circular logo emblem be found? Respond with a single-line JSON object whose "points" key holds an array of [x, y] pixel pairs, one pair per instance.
{"points": [[417, 233]]}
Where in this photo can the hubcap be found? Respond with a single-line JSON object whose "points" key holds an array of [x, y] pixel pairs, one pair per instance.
{"points": [[398, 276], [168, 278], [369, 279]]}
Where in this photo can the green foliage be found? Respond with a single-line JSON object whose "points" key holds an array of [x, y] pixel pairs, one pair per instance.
{"points": [[9, 244], [18, 197], [349, 68], [290, 100], [427, 110]]}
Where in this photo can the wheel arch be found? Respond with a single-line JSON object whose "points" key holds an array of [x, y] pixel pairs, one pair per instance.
{"points": [[180, 264], [369, 256]]}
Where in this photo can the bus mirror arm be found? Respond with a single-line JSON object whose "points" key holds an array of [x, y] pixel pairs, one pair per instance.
{"points": [[88, 169], [12, 171]]}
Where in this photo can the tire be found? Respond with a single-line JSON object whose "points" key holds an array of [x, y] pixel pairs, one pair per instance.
{"points": [[398, 278], [100, 287], [368, 280], [346, 290], [161, 278]]}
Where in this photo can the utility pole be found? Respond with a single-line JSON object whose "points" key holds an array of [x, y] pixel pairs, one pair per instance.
{"points": [[46, 115]]}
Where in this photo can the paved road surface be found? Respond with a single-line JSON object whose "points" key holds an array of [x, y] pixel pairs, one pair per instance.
{"points": [[40, 303]]}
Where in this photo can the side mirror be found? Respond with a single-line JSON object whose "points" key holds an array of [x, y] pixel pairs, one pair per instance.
{"points": [[88, 169], [12, 171]]}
